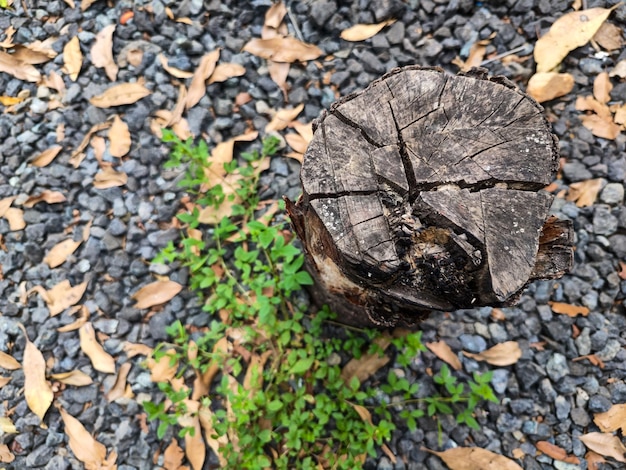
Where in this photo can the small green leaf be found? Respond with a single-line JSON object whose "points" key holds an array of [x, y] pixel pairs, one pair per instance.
{"points": [[302, 365]]}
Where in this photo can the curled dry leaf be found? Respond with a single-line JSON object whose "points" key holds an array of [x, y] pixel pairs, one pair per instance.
{"points": [[173, 71], [609, 36], [605, 444], [568, 309], [118, 95], [474, 458], [585, 192], [109, 178], [136, 349], [569, 32], [283, 118], [173, 456], [274, 15], [82, 319], [367, 364], [156, 293], [197, 88], [119, 138], [120, 387], [77, 156], [47, 156], [76, 378], [613, 419], [8, 362], [100, 359], [556, 452], [63, 295], [72, 58], [37, 390], [85, 448], [225, 71], [60, 252], [361, 32], [283, 49], [445, 353], [47, 196], [102, 52], [503, 354], [602, 87], [18, 69], [546, 86]]}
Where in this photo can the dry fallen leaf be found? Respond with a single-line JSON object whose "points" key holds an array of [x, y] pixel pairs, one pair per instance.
{"points": [[569, 32], [274, 15], [556, 452], [621, 270], [102, 52], [197, 88], [619, 70], [594, 460], [585, 192], [225, 71], [60, 252], [445, 353], [600, 126], [195, 450], [8, 362], [117, 95], [216, 444], [605, 444], [10, 100], [37, 390], [283, 118], [85, 448], [609, 36], [367, 364], [156, 293], [75, 377], [163, 370], [474, 458], [173, 456], [568, 309], [100, 359], [503, 354], [46, 157], [5, 454], [283, 49], [613, 419], [173, 71], [547, 86], [135, 349], [18, 69], [32, 54], [63, 295], [109, 178], [7, 426], [72, 58], [77, 156], [82, 319], [361, 32], [602, 87], [47, 196], [119, 138], [120, 387]]}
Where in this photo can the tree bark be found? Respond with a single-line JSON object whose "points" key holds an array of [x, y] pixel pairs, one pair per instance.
{"points": [[423, 192]]}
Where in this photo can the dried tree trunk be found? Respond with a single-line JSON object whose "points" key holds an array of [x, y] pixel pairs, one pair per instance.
{"points": [[423, 192]]}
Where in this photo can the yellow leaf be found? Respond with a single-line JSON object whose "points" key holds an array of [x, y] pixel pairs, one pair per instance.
{"points": [[156, 293], [119, 138], [503, 354], [60, 252], [613, 419], [569, 32], [63, 295], [197, 88], [102, 52], [72, 58], [100, 359], [85, 448], [117, 95], [547, 86], [74, 377], [445, 353], [361, 32], [367, 364], [474, 458], [7, 426], [283, 118], [18, 69], [10, 100], [605, 444], [46, 157], [37, 390], [109, 178], [283, 49], [8, 362], [223, 72]]}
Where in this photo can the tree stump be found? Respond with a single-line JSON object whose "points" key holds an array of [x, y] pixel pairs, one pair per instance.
{"points": [[423, 192]]}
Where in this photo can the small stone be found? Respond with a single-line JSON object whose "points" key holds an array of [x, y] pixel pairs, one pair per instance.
{"points": [[522, 406], [610, 350], [557, 367], [529, 373], [321, 11], [604, 223], [562, 407], [384, 464], [507, 422], [613, 193], [559, 465], [583, 342], [599, 404], [498, 333], [580, 417], [499, 380], [576, 171], [598, 340], [473, 343]]}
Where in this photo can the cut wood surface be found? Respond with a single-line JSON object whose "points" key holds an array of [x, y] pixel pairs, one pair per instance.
{"points": [[424, 192]]}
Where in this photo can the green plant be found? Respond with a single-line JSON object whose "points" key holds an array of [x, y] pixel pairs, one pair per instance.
{"points": [[278, 396]]}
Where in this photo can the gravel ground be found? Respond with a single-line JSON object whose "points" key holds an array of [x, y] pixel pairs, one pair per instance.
{"points": [[545, 396]]}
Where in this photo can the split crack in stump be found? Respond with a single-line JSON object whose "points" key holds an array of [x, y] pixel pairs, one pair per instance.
{"points": [[423, 192]]}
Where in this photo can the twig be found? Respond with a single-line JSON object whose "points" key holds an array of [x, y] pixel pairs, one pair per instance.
{"points": [[292, 18], [504, 54], [25, 7]]}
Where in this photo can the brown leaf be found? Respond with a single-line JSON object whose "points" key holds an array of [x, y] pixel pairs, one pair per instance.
{"points": [[621, 272], [15, 217], [179, 108], [46, 157], [72, 58], [195, 449], [37, 390], [282, 49], [120, 387], [75, 377], [100, 359], [197, 88], [619, 70], [173, 456], [173, 71], [29, 56], [109, 178], [556, 452], [275, 14], [297, 142], [602, 87], [547, 86], [156, 293], [609, 36], [603, 127], [585, 192], [75, 158], [5, 454], [119, 138], [474, 458], [136, 349], [63, 295], [503, 354], [283, 118], [18, 69], [605, 444], [118, 95], [47, 196], [8, 362], [60, 252], [613, 419], [594, 461], [568, 309], [82, 319], [85, 448], [216, 444], [223, 154], [102, 52], [443, 352], [225, 71], [367, 364], [620, 115], [86, 4], [163, 370], [569, 32], [361, 32]]}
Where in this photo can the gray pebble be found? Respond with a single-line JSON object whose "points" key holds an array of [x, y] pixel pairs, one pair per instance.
{"points": [[604, 223], [610, 350], [599, 404], [562, 407], [556, 367], [473, 343], [613, 193]]}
